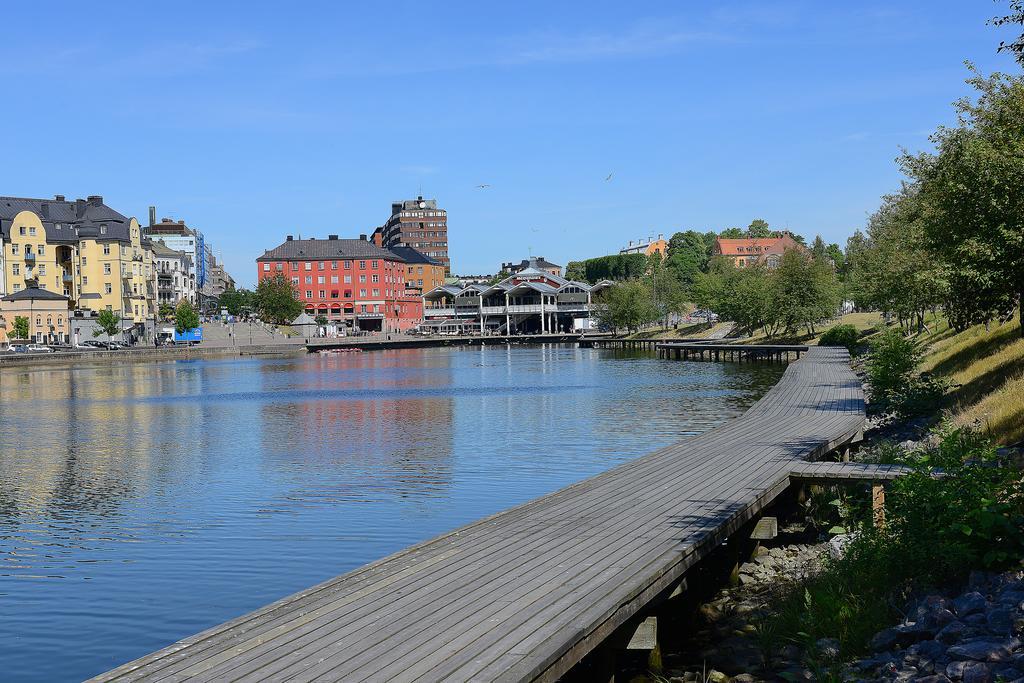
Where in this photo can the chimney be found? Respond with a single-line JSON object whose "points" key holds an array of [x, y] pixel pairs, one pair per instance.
{"points": [[152, 215], [58, 197], [94, 200], [362, 236], [661, 236], [332, 237], [288, 238]]}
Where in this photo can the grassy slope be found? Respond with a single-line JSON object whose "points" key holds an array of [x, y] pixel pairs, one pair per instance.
{"points": [[988, 367]]}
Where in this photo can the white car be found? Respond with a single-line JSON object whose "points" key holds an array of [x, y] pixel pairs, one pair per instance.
{"points": [[39, 348]]}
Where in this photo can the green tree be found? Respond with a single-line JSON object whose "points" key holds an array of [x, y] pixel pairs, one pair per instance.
{"points": [[320, 320], [1016, 16], [628, 305], [276, 300], [185, 316], [687, 256], [166, 311], [835, 254], [237, 301], [499, 277], [973, 206], [733, 234], [20, 327], [575, 270], [109, 323], [759, 228], [805, 291]]}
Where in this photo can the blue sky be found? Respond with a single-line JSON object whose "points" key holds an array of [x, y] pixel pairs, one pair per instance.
{"points": [[255, 120]]}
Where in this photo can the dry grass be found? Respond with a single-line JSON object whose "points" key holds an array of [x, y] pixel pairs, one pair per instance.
{"points": [[863, 322], [987, 367]]}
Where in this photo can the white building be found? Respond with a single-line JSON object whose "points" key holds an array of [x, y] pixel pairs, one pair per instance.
{"points": [[175, 275], [527, 302]]}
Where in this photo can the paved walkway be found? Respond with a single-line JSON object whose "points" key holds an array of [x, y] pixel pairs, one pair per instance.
{"points": [[525, 594]]}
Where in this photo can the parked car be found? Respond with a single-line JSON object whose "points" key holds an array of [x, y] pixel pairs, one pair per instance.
{"points": [[38, 348], [19, 348]]}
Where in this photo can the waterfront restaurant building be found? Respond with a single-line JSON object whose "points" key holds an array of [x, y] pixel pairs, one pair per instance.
{"points": [[352, 282], [528, 302]]}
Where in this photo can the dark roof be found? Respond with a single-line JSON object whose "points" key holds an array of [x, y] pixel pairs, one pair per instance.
{"points": [[410, 255], [34, 294], [69, 215], [304, 250]]}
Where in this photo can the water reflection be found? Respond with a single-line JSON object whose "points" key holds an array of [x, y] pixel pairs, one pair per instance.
{"points": [[142, 503]]}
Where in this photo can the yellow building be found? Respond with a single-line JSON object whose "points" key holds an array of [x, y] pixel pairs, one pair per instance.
{"points": [[46, 312], [84, 250]]}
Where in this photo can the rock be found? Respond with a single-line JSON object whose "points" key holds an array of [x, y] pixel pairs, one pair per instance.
{"points": [[976, 672], [937, 678], [937, 618], [907, 634], [837, 545], [955, 670], [828, 649], [969, 603], [931, 649], [790, 652], [952, 632], [885, 640], [1000, 620], [743, 678], [984, 650], [978, 620], [715, 676]]}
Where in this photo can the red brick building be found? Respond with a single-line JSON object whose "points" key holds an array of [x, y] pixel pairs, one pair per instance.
{"points": [[746, 252], [350, 282]]}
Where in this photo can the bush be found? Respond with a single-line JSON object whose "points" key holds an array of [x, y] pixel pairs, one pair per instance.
{"points": [[890, 366], [840, 335], [937, 530]]}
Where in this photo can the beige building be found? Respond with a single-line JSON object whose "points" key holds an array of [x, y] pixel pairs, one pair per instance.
{"points": [[46, 312], [83, 250]]}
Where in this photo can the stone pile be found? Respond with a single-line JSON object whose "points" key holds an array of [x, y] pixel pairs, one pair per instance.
{"points": [[973, 637]]}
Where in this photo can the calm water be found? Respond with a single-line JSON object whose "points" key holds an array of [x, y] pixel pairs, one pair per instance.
{"points": [[143, 503]]}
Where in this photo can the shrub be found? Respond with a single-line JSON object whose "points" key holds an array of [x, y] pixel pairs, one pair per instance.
{"points": [[937, 529], [840, 335], [890, 366]]}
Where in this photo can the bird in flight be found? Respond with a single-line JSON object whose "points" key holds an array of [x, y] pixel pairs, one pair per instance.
{"points": [[609, 177], [482, 187]]}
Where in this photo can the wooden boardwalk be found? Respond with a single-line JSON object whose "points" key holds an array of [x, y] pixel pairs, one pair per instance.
{"points": [[525, 594]]}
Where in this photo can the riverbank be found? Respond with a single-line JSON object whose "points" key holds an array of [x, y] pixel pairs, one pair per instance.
{"points": [[894, 601], [143, 355]]}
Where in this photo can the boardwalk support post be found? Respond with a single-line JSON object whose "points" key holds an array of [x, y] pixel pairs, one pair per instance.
{"points": [[878, 504]]}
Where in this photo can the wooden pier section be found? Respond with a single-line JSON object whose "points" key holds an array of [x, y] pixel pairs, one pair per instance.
{"points": [[527, 593], [734, 352]]}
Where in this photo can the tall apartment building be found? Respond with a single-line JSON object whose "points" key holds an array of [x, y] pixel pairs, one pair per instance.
{"points": [[175, 276], [180, 237], [350, 282], [419, 224], [83, 250]]}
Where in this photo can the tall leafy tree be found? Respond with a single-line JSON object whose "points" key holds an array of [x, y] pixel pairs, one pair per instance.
{"points": [[687, 256], [759, 228], [185, 316], [109, 323], [972, 199], [237, 301], [20, 327], [277, 301], [1015, 16], [628, 305], [733, 234]]}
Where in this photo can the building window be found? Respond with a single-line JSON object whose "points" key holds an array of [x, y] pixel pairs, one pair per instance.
{"points": [[362, 265], [320, 279], [334, 294], [348, 279], [320, 266], [21, 230], [308, 265], [376, 292], [348, 265], [41, 249], [278, 267], [266, 267], [17, 287], [373, 264], [16, 268], [103, 230], [334, 265], [107, 288], [309, 279], [295, 280], [106, 249], [334, 279], [309, 293], [42, 269], [32, 230], [375, 278], [348, 293], [376, 308], [362, 278], [14, 248], [362, 292], [85, 261], [106, 269], [322, 294]]}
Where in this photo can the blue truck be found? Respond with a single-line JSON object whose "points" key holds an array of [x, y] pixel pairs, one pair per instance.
{"points": [[169, 335]]}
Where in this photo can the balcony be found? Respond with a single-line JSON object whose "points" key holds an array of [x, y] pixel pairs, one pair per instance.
{"points": [[66, 277], [439, 311], [30, 258]]}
